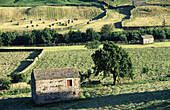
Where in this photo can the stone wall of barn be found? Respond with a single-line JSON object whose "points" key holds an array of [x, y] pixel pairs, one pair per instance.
{"points": [[33, 87], [148, 41], [53, 90]]}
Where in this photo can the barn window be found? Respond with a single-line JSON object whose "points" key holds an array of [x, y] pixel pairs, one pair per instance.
{"points": [[69, 82]]}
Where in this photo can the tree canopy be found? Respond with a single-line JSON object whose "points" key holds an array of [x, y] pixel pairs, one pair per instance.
{"points": [[112, 59]]}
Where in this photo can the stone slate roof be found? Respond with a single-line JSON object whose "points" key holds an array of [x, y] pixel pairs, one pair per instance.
{"points": [[55, 73], [147, 36]]}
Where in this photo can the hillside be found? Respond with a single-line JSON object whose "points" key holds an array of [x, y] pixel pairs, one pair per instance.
{"points": [[21, 16], [43, 2], [148, 16], [79, 2]]}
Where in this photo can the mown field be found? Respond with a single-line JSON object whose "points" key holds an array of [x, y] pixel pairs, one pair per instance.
{"points": [[11, 62], [157, 59], [43, 2], [141, 96], [149, 16], [21, 17]]}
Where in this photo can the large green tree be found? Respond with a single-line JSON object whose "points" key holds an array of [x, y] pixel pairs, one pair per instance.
{"points": [[112, 59]]}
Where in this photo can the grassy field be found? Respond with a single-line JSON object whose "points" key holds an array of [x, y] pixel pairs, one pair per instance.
{"points": [[158, 1], [47, 14], [149, 16], [14, 62], [43, 2], [81, 47], [141, 96], [113, 17]]}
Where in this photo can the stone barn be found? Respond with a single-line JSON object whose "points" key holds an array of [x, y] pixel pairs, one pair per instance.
{"points": [[146, 39], [53, 85], [136, 3]]}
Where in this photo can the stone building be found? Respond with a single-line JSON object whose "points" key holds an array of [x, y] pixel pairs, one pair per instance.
{"points": [[146, 39], [53, 85], [136, 3]]}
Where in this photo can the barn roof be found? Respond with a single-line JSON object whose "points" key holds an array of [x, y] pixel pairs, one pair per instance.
{"points": [[54, 73], [147, 36]]}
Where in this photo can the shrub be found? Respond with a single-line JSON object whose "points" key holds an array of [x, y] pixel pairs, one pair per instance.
{"points": [[6, 83], [92, 44], [17, 77], [147, 10], [82, 96], [145, 69], [87, 94]]}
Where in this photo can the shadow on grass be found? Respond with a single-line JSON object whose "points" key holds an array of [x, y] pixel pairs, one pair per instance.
{"points": [[22, 66], [33, 55], [111, 100], [126, 11]]}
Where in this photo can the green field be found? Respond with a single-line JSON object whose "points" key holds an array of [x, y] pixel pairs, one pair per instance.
{"points": [[157, 59], [14, 61], [81, 47], [141, 96]]}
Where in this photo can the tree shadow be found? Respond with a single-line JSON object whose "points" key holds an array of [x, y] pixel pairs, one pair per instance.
{"points": [[22, 66], [100, 16], [33, 55], [123, 10], [91, 103]]}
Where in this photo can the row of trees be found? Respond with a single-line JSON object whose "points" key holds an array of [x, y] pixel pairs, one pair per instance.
{"points": [[50, 36]]}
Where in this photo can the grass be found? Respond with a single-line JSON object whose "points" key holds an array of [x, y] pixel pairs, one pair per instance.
{"points": [[81, 47], [48, 14], [158, 1], [113, 17], [154, 17], [156, 59], [43, 2], [139, 96], [13, 62]]}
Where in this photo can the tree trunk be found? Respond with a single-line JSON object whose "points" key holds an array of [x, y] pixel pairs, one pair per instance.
{"points": [[114, 79]]}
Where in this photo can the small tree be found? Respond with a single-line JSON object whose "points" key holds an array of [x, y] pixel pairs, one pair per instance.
{"points": [[6, 83], [163, 23], [145, 70], [17, 77], [107, 29], [92, 35], [112, 59], [92, 44]]}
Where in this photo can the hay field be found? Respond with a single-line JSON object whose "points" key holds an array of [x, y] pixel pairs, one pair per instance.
{"points": [[149, 16], [21, 17], [158, 1], [14, 62], [113, 17], [140, 96], [157, 59]]}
